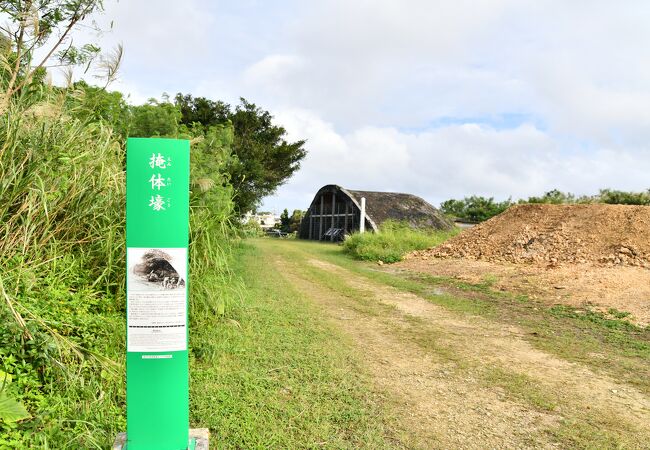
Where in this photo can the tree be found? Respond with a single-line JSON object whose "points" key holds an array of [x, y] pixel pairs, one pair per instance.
{"points": [[624, 198], [44, 27], [155, 118], [264, 159], [474, 208], [285, 221], [201, 110], [554, 197], [296, 219], [453, 208], [477, 209]]}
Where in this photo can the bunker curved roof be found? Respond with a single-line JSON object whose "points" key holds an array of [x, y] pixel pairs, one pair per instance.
{"points": [[383, 206]]}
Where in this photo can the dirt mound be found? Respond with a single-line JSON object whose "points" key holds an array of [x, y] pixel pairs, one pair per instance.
{"points": [[553, 234]]}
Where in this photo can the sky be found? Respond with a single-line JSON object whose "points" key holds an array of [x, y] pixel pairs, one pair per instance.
{"points": [[501, 98]]}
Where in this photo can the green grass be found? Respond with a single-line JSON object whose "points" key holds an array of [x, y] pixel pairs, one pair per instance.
{"points": [[61, 277], [276, 375], [589, 436], [603, 341], [521, 387], [393, 242], [68, 371], [270, 373]]}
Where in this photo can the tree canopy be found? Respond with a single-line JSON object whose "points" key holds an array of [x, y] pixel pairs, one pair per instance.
{"points": [[263, 157], [45, 28], [291, 223], [474, 208], [478, 209]]}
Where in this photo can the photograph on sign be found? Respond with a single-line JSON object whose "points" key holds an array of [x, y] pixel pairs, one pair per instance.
{"points": [[156, 270], [157, 299]]}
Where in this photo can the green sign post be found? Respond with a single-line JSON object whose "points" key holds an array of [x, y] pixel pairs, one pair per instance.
{"points": [[157, 228]]}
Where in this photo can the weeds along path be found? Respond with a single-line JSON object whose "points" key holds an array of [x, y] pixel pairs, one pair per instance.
{"points": [[457, 381]]}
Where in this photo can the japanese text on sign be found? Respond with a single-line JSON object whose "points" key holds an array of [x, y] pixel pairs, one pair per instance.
{"points": [[158, 202]]}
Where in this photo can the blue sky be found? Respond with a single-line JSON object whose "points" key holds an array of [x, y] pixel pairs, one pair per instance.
{"points": [[440, 99]]}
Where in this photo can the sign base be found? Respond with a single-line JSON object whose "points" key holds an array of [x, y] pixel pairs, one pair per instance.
{"points": [[199, 440]]}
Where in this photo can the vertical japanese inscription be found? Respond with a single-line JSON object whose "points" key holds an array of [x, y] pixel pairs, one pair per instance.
{"points": [[159, 162]]}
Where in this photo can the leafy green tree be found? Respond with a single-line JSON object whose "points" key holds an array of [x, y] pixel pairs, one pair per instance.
{"points": [[264, 158], [453, 208], [554, 197], [477, 209], [285, 221], [155, 118], [296, 219], [201, 110], [43, 28], [624, 198], [474, 208]]}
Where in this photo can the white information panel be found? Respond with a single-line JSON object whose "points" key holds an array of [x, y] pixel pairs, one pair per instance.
{"points": [[157, 299]]}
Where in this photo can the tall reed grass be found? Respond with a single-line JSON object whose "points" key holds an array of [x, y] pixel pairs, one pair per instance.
{"points": [[62, 266], [61, 255]]}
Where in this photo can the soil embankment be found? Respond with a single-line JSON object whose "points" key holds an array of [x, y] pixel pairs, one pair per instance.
{"points": [[592, 257], [604, 235]]}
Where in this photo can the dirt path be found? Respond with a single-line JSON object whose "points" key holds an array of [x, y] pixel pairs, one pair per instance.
{"points": [[582, 286], [454, 381]]}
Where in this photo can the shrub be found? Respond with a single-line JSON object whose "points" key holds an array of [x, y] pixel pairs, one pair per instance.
{"points": [[478, 209], [474, 208], [394, 240], [624, 198]]}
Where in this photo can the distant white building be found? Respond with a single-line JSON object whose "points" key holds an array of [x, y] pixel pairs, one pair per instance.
{"points": [[265, 220]]}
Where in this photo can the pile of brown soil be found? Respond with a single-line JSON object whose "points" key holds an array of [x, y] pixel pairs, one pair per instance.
{"points": [[552, 234]]}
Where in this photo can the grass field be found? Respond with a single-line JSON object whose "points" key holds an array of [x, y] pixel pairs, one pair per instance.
{"points": [[285, 367], [277, 376]]}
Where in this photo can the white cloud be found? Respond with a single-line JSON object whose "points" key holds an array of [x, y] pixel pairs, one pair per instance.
{"points": [[271, 69], [163, 41], [161, 34], [442, 99], [573, 64], [539, 95], [131, 91], [451, 161]]}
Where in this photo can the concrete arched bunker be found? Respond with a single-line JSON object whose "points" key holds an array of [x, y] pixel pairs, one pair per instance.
{"points": [[335, 207]]}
